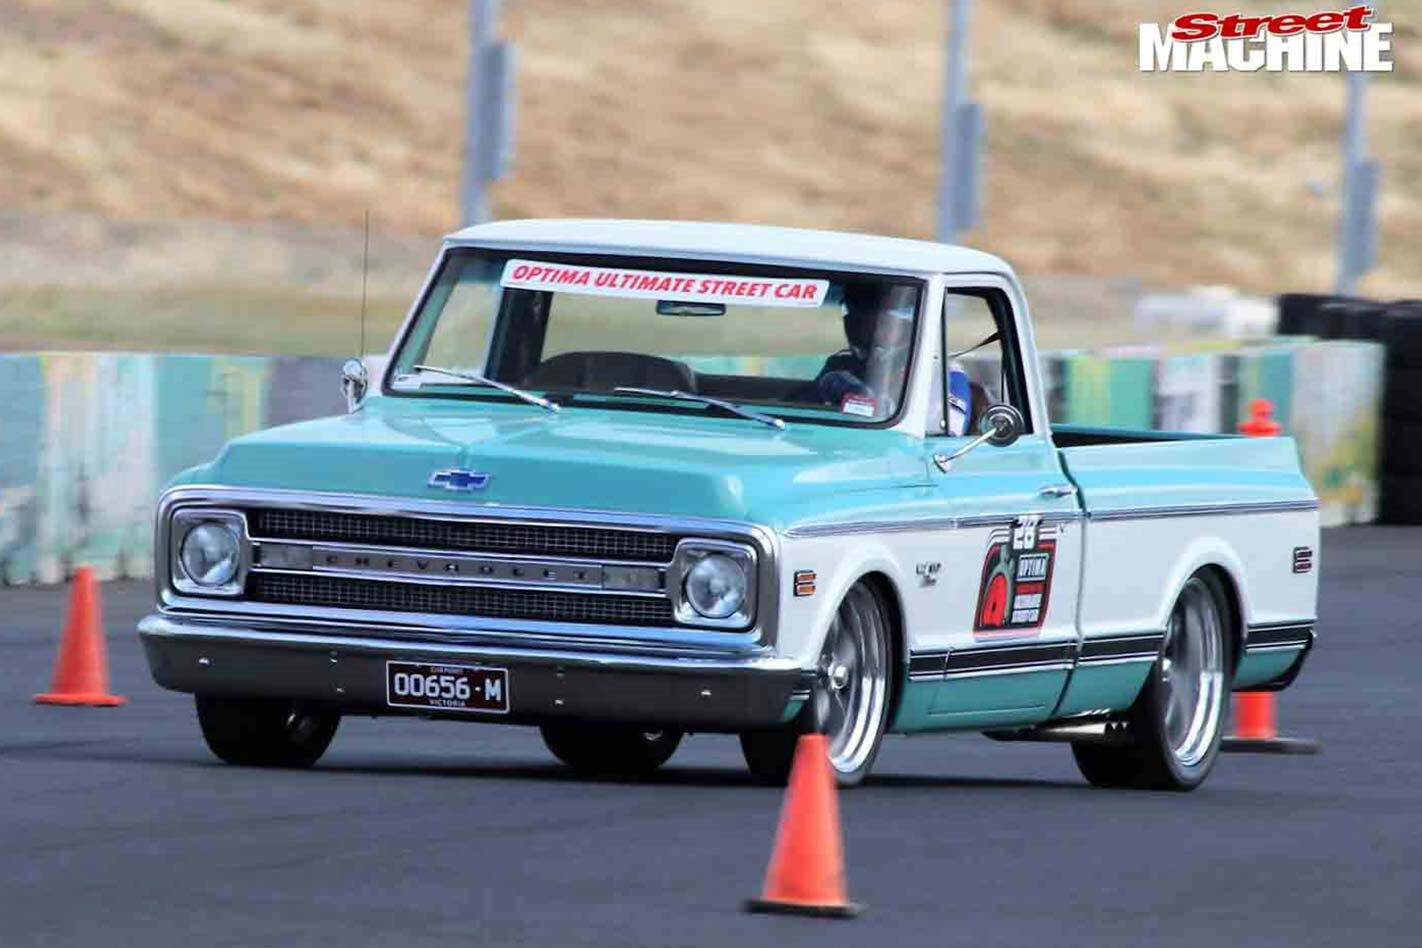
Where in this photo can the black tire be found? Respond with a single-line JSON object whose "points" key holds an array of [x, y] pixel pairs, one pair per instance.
{"points": [[1146, 758], [1402, 395], [1299, 313], [1399, 500], [1402, 449], [859, 704], [1355, 319], [1402, 334], [1105, 766], [770, 753], [264, 732], [618, 751]]}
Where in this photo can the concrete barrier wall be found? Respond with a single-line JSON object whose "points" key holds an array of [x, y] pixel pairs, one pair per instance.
{"points": [[87, 439], [1327, 395]]}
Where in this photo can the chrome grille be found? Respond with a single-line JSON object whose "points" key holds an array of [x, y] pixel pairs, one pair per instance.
{"points": [[534, 539], [342, 593]]}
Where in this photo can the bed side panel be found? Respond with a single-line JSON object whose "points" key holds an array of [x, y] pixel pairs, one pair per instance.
{"points": [[1159, 511]]}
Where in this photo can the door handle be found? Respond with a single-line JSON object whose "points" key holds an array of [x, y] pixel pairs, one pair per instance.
{"points": [[1057, 490]]}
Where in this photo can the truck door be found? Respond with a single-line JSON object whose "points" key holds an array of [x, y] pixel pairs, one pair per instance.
{"points": [[1008, 582]]}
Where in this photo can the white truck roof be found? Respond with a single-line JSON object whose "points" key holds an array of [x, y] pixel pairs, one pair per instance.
{"points": [[750, 242]]}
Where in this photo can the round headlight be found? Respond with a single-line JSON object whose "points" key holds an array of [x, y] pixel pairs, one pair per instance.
{"points": [[210, 554], [716, 586]]}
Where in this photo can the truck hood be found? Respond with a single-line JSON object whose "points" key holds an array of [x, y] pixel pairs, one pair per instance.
{"points": [[627, 461]]}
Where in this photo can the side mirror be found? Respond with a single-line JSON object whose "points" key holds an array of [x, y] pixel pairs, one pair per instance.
{"points": [[1001, 425], [354, 382]]}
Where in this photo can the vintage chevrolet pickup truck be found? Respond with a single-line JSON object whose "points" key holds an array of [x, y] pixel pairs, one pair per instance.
{"points": [[628, 480]]}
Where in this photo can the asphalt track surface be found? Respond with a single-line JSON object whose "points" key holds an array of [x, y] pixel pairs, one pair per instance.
{"points": [[118, 828]]}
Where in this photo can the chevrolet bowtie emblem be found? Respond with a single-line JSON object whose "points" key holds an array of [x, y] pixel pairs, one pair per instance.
{"points": [[455, 479]]}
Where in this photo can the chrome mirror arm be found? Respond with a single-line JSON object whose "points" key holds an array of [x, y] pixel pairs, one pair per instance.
{"points": [[1001, 425], [945, 461]]}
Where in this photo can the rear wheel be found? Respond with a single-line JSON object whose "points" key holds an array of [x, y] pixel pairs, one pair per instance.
{"points": [[265, 732], [1173, 731], [610, 750], [851, 703]]}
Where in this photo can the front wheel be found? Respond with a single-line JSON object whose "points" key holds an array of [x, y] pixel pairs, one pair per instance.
{"points": [[1173, 730], [610, 750], [850, 703], [265, 732]]}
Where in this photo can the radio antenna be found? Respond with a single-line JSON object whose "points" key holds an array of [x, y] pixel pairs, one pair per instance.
{"points": [[364, 280]]}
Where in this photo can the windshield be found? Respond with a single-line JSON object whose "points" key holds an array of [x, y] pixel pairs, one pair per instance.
{"points": [[801, 345]]}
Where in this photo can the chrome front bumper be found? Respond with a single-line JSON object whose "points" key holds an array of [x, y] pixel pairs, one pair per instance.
{"points": [[328, 665]]}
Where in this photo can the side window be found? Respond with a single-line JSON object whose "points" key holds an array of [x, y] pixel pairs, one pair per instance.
{"points": [[977, 365]]}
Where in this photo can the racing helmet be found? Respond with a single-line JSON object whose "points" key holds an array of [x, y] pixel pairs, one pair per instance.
{"points": [[877, 314]]}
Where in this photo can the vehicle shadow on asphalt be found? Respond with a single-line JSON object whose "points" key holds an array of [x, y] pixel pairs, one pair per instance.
{"points": [[505, 769], [949, 782], [81, 751], [690, 778], [680, 777]]}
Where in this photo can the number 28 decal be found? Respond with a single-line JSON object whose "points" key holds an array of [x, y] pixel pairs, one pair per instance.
{"points": [[1017, 578]]}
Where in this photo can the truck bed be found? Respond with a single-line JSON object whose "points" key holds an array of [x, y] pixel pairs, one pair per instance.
{"points": [[1160, 506], [1075, 436], [1119, 470]]}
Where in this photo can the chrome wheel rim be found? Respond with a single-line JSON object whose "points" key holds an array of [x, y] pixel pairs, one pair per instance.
{"points": [[1192, 673], [853, 687]]}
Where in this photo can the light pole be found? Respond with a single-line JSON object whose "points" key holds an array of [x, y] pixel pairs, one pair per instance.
{"points": [[960, 131], [488, 111], [1357, 223]]}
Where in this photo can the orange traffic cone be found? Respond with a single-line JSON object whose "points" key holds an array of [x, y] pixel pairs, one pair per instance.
{"points": [[1254, 715], [1256, 728], [81, 673], [1261, 423], [1256, 722], [806, 873]]}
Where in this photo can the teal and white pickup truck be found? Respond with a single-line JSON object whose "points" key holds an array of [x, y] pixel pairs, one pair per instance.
{"points": [[628, 480]]}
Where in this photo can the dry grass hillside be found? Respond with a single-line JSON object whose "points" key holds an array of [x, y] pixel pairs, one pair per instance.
{"points": [[812, 112]]}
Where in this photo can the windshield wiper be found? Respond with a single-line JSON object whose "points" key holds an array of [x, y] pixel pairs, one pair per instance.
{"points": [[731, 407], [478, 379]]}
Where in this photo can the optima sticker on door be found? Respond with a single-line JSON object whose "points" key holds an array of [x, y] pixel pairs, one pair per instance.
{"points": [[662, 285], [1016, 581]]}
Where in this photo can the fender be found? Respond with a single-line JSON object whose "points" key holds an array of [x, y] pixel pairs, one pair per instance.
{"points": [[870, 556], [1202, 552]]}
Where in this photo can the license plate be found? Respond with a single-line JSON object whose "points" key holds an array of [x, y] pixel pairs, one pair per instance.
{"points": [[447, 687]]}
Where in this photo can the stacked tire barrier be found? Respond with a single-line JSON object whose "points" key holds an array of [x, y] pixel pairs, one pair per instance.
{"points": [[1402, 415], [1397, 328]]}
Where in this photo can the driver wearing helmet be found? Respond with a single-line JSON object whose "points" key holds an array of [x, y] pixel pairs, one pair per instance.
{"points": [[866, 378]]}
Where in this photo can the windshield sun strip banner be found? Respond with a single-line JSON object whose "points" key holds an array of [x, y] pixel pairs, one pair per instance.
{"points": [[662, 285]]}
